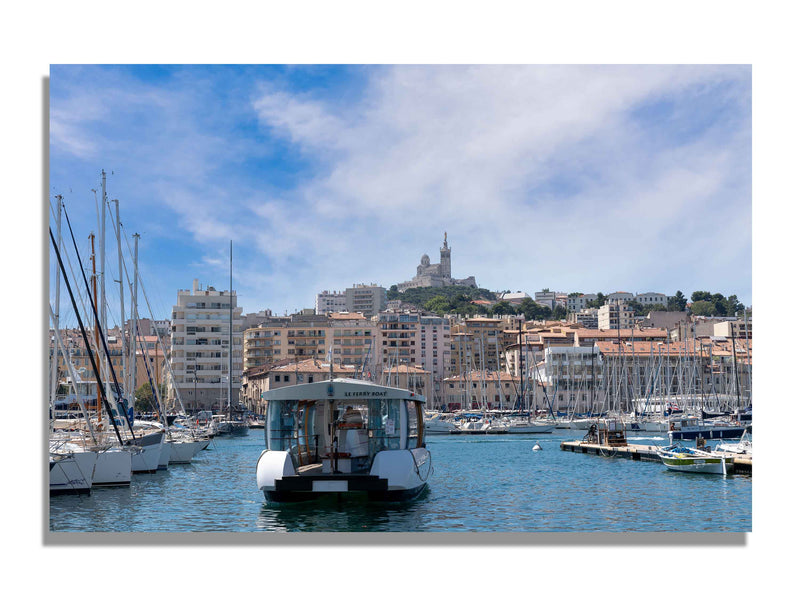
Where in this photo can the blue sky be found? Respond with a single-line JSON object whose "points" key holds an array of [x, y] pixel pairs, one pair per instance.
{"points": [[574, 178]]}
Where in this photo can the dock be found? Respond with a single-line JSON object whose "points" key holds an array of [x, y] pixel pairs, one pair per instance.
{"points": [[741, 465]]}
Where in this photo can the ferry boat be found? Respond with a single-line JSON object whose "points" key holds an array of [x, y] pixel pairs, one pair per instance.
{"points": [[343, 436]]}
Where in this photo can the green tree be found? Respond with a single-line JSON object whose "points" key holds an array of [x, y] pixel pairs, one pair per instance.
{"points": [[734, 306], [677, 302], [503, 308], [439, 305], [601, 300], [703, 308], [559, 312], [701, 295], [639, 310], [145, 401]]}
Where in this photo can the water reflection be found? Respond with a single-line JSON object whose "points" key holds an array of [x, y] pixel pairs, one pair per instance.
{"points": [[344, 513]]}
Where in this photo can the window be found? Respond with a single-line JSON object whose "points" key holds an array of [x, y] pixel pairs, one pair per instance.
{"points": [[286, 378]]}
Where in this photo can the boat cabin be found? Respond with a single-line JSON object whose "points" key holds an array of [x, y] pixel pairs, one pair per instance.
{"points": [[339, 426]]}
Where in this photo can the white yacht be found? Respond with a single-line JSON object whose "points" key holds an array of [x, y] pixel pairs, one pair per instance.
{"points": [[438, 424], [71, 468], [343, 436]]}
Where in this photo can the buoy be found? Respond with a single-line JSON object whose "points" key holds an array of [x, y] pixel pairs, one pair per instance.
{"points": [[536, 447]]}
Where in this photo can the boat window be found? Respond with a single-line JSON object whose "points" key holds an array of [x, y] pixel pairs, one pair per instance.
{"points": [[415, 424], [280, 424], [384, 425]]}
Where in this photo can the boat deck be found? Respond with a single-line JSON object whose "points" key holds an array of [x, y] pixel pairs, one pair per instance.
{"points": [[741, 465]]}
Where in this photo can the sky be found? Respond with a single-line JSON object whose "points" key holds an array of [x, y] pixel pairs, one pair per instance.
{"points": [[573, 178]]}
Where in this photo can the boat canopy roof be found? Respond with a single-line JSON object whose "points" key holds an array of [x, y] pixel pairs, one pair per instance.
{"points": [[340, 389]]}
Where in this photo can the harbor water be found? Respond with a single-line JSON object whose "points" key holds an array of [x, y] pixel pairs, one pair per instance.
{"points": [[480, 483]]}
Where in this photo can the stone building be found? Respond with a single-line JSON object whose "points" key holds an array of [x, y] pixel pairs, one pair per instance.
{"points": [[436, 275]]}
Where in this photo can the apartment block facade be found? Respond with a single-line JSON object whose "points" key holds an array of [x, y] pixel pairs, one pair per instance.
{"points": [[200, 347]]}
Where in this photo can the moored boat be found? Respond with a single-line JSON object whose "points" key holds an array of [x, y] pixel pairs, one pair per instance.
{"points": [[343, 436], [687, 427], [692, 460]]}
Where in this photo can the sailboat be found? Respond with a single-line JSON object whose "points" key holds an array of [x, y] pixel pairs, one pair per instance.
{"points": [[230, 425]]}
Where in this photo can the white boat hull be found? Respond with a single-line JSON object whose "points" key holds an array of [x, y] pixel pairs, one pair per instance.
{"points": [[113, 467], [71, 473], [181, 452], [719, 465], [147, 460], [395, 475]]}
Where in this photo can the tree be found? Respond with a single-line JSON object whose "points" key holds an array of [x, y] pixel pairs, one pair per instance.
{"points": [[145, 401], [601, 300], [734, 306], [700, 295], [503, 308], [639, 310], [559, 312], [677, 302], [703, 308], [439, 305]]}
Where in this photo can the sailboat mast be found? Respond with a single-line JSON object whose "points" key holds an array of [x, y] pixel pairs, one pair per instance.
{"points": [[134, 315], [96, 327], [230, 335], [54, 362], [102, 274], [121, 302]]}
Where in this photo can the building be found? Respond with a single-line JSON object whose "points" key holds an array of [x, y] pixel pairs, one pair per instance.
{"points": [[368, 300], [585, 317], [620, 296], [436, 275], [546, 298], [652, 298], [327, 302], [435, 353], [398, 338], [514, 298], [576, 303], [738, 329], [486, 390], [258, 380], [200, 347], [615, 314], [349, 337]]}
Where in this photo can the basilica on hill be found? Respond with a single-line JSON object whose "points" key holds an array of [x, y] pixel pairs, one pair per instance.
{"points": [[435, 275]]}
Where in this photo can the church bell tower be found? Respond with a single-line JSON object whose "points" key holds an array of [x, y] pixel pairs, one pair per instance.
{"points": [[445, 255]]}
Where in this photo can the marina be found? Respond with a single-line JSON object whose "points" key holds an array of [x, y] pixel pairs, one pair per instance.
{"points": [[495, 483]]}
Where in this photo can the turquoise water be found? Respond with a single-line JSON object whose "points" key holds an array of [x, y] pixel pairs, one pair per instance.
{"points": [[480, 484]]}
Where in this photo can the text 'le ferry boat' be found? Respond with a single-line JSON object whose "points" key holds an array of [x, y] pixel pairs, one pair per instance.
{"points": [[343, 436]]}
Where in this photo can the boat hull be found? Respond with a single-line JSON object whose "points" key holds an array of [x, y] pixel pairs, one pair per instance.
{"points": [[147, 460], [113, 468], [708, 433], [395, 476], [72, 473], [710, 464]]}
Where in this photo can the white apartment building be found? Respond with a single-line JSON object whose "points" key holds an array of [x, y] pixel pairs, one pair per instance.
{"points": [[586, 317], [398, 338], [199, 347], [434, 352], [652, 298], [328, 302], [615, 315], [578, 303], [620, 296]]}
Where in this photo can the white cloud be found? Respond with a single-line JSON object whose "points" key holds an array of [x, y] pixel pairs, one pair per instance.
{"points": [[473, 149]]}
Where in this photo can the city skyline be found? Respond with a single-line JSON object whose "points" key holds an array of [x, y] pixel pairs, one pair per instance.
{"points": [[595, 178]]}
